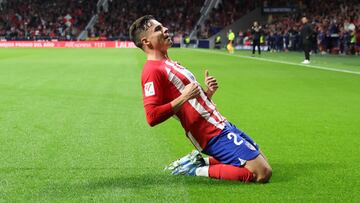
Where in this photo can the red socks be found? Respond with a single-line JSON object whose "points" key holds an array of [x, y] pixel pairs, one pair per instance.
{"points": [[228, 172], [213, 161]]}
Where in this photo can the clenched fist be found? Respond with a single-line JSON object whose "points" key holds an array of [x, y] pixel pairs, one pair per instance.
{"points": [[191, 91]]}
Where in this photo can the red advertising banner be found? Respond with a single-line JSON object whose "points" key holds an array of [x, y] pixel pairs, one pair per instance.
{"points": [[67, 44]]}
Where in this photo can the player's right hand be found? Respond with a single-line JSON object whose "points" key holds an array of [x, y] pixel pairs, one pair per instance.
{"points": [[191, 91]]}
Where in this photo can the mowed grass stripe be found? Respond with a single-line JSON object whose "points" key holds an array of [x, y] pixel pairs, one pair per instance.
{"points": [[282, 62]]}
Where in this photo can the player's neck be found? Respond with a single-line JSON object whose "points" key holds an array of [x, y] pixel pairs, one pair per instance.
{"points": [[157, 55]]}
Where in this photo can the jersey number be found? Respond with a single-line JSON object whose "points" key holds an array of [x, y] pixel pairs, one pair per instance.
{"points": [[236, 141]]}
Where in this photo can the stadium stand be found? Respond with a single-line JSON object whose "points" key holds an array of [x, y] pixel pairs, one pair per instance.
{"points": [[178, 16], [223, 15], [337, 23], [44, 20], [334, 26]]}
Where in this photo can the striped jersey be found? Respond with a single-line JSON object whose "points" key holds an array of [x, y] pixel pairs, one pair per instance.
{"points": [[163, 81]]}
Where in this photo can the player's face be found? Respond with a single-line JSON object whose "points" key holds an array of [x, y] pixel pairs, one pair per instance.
{"points": [[158, 36]]}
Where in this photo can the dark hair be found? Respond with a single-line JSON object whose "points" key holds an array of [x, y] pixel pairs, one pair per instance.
{"points": [[138, 28]]}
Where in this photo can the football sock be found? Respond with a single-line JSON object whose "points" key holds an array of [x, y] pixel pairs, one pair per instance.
{"points": [[229, 172], [211, 161], [207, 161], [202, 171]]}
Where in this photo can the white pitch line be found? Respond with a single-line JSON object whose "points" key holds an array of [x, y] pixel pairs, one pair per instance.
{"points": [[283, 62]]}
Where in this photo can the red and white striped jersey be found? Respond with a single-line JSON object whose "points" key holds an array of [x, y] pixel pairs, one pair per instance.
{"points": [[162, 82]]}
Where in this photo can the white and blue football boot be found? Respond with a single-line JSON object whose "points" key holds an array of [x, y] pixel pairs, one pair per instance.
{"points": [[188, 169], [187, 164]]}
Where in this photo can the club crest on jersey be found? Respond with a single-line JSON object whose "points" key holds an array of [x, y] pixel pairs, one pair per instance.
{"points": [[149, 89]]}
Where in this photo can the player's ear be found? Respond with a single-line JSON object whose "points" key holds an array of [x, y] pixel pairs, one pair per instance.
{"points": [[145, 41]]}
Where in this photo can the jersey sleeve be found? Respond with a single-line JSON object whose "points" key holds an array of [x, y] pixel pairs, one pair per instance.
{"points": [[153, 88], [152, 83]]}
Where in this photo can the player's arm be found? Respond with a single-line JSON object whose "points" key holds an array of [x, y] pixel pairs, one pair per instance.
{"points": [[211, 84], [190, 91], [156, 113]]}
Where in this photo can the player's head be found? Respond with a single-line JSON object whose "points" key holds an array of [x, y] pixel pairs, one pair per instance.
{"points": [[149, 34], [304, 19]]}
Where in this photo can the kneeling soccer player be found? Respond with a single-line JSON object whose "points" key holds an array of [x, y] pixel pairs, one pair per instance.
{"points": [[170, 89]]}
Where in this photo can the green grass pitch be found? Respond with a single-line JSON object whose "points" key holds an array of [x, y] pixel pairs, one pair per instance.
{"points": [[72, 127]]}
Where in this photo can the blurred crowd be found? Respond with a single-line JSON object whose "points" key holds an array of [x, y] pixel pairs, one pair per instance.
{"points": [[44, 19], [65, 19], [336, 23], [226, 13], [179, 16], [336, 27]]}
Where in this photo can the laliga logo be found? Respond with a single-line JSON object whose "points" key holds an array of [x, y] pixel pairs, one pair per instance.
{"points": [[124, 44]]}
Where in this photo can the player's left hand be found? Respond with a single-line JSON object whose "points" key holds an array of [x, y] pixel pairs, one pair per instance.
{"points": [[211, 82]]}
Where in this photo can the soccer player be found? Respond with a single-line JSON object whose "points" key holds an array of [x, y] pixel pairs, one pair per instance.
{"points": [[171, 90]]}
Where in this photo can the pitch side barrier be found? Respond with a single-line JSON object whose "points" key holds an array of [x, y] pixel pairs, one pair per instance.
{"points": [[250, 47], [91, 44], [67, 44]]}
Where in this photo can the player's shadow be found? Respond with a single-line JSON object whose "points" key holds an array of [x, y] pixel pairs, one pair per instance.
{"points": [[138, 182], [152, 180], [282, 172]]}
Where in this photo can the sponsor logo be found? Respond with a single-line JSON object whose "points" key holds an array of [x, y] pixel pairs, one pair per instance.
{"points": [[149, 89]]}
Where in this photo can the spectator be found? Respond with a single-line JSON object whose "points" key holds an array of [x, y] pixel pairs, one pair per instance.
{"points": [[44, 20], [179, 17], [332, 24], [227, 13]]}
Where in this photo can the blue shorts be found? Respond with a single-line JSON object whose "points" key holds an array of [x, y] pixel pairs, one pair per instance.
{"points": [[232, 146]]}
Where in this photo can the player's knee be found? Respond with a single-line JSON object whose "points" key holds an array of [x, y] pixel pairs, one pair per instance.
{"points": [[264, 175]]}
